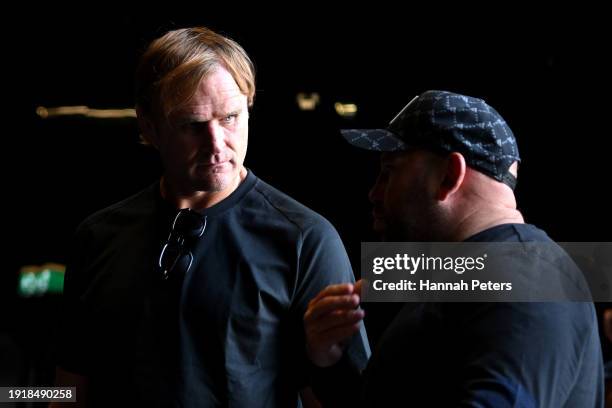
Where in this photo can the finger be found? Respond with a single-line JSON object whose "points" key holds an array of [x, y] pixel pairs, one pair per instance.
{"points": [[329, 304], [324, 341], [334, 290], [358, 287], [336, 320]]}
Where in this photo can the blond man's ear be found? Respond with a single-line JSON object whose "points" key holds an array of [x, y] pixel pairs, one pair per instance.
{"points": [[148, 132]]}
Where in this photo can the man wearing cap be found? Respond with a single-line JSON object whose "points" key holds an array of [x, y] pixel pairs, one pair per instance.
{"points": [[448, 170]]}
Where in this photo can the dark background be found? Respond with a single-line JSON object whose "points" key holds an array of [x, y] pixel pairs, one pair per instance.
{"points": [[547, 74]]}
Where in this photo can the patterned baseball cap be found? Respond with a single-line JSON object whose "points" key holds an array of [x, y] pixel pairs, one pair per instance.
{"points": [[448, 122]]}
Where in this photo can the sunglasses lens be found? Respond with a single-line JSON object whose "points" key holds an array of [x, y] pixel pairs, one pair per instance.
{"points": [[189, 223], [175, 257], [175, 260], [183, 263]]}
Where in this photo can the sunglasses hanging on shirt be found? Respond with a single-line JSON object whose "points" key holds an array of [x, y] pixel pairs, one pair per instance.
{"points": [[176, 256]]}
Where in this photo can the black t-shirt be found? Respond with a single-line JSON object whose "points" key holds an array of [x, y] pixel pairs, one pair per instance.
{"points": [[489, 354], [231, 332]]}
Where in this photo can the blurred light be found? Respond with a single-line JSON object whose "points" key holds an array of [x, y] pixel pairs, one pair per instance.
{"points": [[35, 280], [45, 112], [346, 110], [307, 102]]}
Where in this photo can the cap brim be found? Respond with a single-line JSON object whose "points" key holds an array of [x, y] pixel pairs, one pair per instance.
{"points": [[379, 140]]}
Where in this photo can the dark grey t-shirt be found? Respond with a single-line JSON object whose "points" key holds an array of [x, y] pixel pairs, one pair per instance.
{"points": [[231, 332], [489, 354]]}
